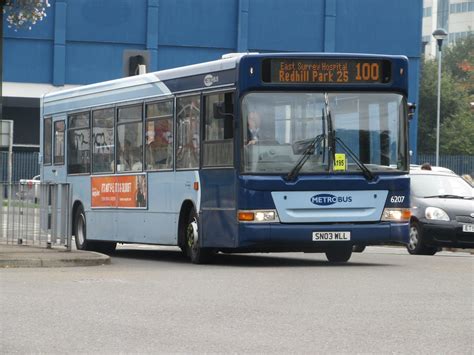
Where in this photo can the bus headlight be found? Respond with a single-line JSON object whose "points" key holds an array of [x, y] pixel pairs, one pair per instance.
{"points": [[258, 216], [396, 214]]}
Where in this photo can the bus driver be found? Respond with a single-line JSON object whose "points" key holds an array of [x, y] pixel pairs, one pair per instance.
{"points": [[253, 122]]}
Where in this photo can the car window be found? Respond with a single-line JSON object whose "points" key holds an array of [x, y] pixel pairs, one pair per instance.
{"points": [[433, 185]]}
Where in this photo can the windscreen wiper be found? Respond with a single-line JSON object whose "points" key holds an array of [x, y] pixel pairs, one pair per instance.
{"points": [[450, 196], [306, 154], [365, 170]]}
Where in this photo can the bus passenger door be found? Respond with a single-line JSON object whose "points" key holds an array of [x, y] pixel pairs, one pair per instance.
{"points": [[56, 170], [218, 177]]}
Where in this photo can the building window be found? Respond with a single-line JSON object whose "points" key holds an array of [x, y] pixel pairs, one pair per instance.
{"points": [[218, 148], [188, 110], [59, 127], [455, 36], [159, 135], [78, 143], [47, 141], [103, 141], [461, 7], [130, 138], [427, 11]]}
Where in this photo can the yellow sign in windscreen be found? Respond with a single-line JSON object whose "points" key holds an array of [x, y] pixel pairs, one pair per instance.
{"points": [[339, 162]]}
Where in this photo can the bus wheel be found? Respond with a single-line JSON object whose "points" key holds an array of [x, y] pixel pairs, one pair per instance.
{"points": [[339, 255], [80, 236], [80, 229], [196, 254]]}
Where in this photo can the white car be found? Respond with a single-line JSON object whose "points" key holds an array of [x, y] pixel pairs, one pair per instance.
{"points": [[433, 168], [30, 187]]}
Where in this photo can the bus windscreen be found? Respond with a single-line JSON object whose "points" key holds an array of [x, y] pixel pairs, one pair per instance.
{"points": [[325, 71]]}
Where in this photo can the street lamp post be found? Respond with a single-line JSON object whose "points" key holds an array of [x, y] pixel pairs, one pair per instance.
{"points": [[439, 34]]}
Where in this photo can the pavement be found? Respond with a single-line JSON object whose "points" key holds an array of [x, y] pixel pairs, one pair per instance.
{"points": [[16, 256]]}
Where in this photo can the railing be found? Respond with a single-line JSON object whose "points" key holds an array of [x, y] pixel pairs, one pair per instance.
{"points": [[460, 164], [36, 214], [25, 166]]}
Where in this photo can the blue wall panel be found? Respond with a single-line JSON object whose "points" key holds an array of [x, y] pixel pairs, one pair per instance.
{"points": [[171, 57], [86, 60], [180, 32], [374, 26], [118, 21], [210, 23], [29, 61], [282, 25]]}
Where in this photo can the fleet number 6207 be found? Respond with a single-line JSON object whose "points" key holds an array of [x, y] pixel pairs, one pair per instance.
{"points": [[397, 199]]}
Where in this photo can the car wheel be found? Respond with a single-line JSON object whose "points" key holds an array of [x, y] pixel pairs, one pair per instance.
{"points": [[194, 251], [415, 245], [358, 248], [339, 254]]}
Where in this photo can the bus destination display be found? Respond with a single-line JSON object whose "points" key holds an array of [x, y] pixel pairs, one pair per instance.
{"points": [[326, 71]]}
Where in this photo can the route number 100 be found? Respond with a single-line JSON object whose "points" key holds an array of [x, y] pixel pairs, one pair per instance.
{"points": [[367, 71]]}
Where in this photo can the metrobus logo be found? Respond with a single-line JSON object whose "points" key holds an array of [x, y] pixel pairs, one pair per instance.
{"points": [[328, 199]]}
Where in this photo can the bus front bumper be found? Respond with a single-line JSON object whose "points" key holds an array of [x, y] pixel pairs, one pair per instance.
{"points": [[299, 237]]}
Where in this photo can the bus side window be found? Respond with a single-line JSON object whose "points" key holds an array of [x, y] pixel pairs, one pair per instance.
{"points": [[159, 135], [59, 127], [129, 138], [103, 142], [218, 148], [47, 141], [188, 111], [78, 146]]}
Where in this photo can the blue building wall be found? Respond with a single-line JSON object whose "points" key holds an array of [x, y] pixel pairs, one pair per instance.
{"points": [[83, 41]]}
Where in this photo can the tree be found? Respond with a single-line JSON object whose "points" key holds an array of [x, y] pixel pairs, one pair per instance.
{"points": [[24, 13], [459, 61], [457, 88], [19, 14]]}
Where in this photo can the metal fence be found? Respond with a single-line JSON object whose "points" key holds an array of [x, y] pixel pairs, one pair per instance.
{"points": [[25, 165], [460, 164], [36, 214]]}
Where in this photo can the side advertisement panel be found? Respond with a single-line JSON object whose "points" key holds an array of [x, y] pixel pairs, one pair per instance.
{"points": [[119, 191]]}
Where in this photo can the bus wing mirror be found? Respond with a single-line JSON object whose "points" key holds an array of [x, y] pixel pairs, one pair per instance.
{"points": [[411, 110]]}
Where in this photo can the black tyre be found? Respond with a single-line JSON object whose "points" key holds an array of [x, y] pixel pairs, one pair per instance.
{"points": [[80, 236], [80, 229], [339, 254], [358, 248], [196, 254], [416, 246]]}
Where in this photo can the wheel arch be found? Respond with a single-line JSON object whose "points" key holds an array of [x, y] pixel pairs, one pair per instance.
{"points": [[75, 207]]}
